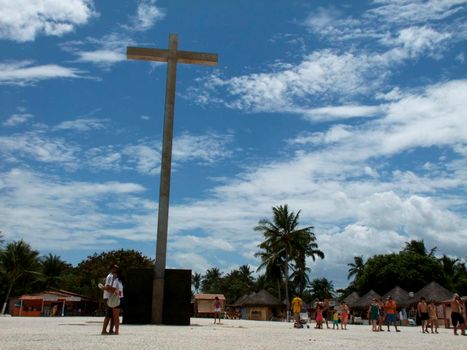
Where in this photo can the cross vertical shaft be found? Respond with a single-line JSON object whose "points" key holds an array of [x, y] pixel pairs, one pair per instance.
{"points": [[164, 189], [171, 56]]}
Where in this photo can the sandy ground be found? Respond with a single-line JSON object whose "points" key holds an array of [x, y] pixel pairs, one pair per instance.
{"points": [[23, 333]]}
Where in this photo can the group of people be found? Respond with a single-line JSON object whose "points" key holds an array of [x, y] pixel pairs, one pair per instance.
{"points": [[113, 297], [426, 312], [381, 313], [323, 314], [428, 316]]}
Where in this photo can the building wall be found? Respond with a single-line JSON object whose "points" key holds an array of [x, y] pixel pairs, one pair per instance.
{"points": [[259, 313]]}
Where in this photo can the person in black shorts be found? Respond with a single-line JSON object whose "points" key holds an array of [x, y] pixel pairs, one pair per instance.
{"points": [[457, 314], [422, 309]]}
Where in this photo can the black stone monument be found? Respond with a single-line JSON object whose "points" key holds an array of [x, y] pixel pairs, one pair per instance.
{"points": [[138, 297]]}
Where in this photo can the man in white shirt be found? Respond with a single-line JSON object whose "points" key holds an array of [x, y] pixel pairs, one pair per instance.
{"points": [[108, 288]]}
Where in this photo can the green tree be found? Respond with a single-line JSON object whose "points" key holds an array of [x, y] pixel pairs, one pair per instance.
{"points": [[196, 279], [212, 281], [308, 248], [263, 282], [234, 285], [284, 241], [273, 265], [406, 269], [356, 268], [454, 271], [93, 269], [418, 247], [53, 269], [321, 288], [17, 260], [246, 276]]}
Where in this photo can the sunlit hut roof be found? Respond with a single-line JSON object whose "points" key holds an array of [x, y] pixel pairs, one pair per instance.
{"points": [[365, 300], [351, 299], [432, 291], [209, 296], [262, 298], [401, 296]]}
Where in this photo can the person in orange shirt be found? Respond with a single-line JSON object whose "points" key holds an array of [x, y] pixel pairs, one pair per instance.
{"points": [[390, 308]]}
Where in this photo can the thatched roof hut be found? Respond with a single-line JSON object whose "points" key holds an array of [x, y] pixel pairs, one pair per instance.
{"points": [[262, 298], [401, 296], [365, 301], [432, 291], [260, 306], [351, 299]]}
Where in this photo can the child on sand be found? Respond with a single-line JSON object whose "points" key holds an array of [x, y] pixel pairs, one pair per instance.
{"points": [[217, 310], [433, 316], [344, 315], [335, 319], [319, 316]]}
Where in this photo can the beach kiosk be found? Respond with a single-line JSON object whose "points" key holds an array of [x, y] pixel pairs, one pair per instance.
{"points": [[261, 306], [51, 303], [204, 304]]}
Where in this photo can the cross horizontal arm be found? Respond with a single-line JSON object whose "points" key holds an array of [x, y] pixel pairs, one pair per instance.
{"points": [[161, 55]]}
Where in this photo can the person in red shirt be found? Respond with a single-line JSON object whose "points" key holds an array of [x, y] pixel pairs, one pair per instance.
{"points": [[390, 308]]}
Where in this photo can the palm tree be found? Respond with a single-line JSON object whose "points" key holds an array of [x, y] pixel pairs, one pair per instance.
{"points": [[273, 264], [418, 247], [17, 260], [211, 280], [196, 279], [245, 275], [321, 288], [452, 270], [52, 270], [309, 248], [283, 240], [356, 268]]}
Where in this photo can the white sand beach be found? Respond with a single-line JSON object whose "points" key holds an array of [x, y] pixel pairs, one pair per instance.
{"points": [[68, 333]]}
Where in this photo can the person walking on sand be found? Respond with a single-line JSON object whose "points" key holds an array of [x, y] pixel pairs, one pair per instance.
{"points": [[433, 316], [373, 315], [319, 316], [117, 287], [457, 314], [296, 304], [345, 311], [422, 310], [217, 309], [335, 319], [327, 315], [381, 315], [390, 309], [107, 292]]}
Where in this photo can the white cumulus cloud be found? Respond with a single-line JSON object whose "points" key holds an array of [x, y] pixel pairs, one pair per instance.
{"points": [[24, 20]]}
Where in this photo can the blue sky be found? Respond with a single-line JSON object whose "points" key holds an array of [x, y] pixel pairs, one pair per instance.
{"points": [[354, 112]]}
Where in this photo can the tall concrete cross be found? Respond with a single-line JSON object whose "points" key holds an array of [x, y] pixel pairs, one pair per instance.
{"points": [[172, 56]]}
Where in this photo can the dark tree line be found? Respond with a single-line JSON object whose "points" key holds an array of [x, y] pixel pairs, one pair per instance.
{"points": [[23, 271], [411, 269]]}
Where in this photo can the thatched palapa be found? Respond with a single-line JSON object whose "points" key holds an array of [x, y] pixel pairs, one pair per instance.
{"points": [[365, 301], [351, 299], [432, 291], [259, 306], [400, 296]]}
